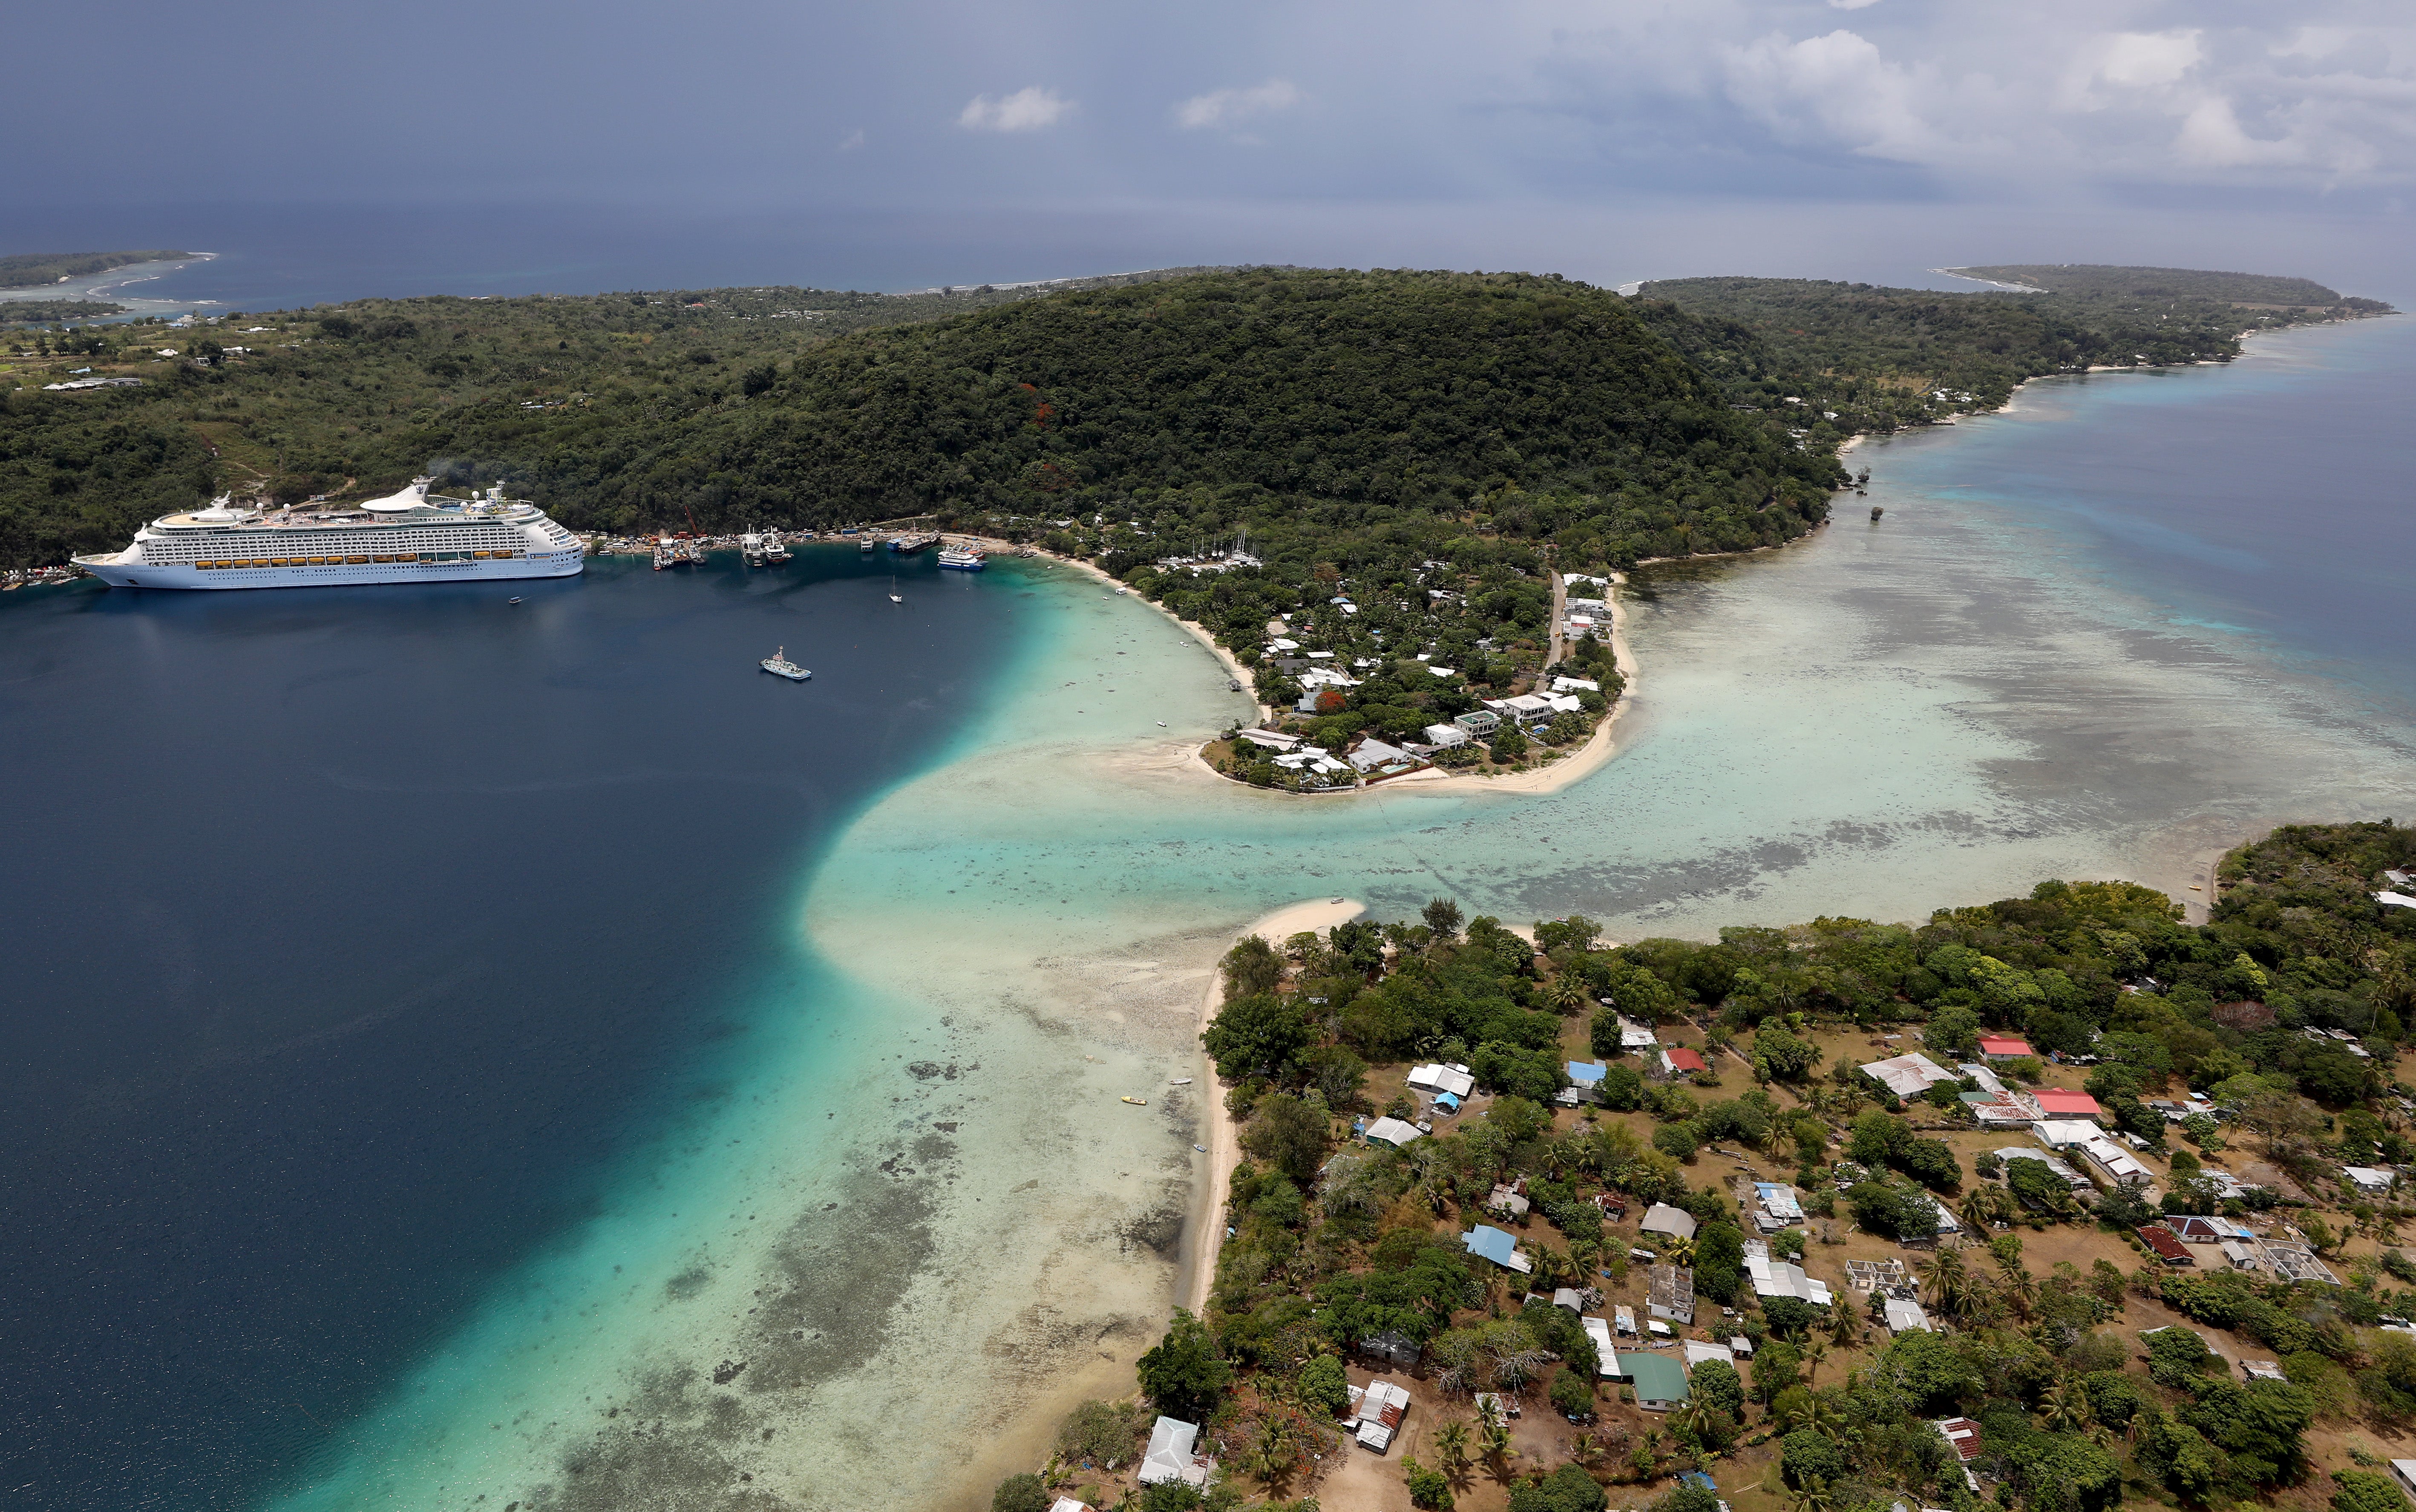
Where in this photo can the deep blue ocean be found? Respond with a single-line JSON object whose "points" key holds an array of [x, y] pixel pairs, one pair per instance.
{"points": [[353, 932]]}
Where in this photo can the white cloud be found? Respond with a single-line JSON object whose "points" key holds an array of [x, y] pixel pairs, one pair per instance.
{"points": [[852, 141], [1850, 5], [1231, 107], [1838, 88], [1026, 110]]}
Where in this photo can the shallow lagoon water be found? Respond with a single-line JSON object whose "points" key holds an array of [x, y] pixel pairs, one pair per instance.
{"points": [[916, 1211]]}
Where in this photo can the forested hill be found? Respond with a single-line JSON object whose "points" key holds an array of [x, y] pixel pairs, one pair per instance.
{"points": [[1321, 410], [1852, 357], [25, 270], [2148, 285]]}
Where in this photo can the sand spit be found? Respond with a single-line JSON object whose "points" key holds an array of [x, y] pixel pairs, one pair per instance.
{"points": [[1223, 1136]]}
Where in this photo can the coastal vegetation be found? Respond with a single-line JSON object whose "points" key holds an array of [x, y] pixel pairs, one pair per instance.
{"points": [[2287, 1013], [27, 270], [54, 311]]}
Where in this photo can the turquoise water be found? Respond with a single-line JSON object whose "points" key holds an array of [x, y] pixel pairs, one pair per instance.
{"points": [[924, 1216]]}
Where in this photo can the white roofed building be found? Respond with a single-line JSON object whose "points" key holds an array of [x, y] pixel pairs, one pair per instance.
{"points": [[1908, 1076], [1171, 1456], [1455, 1080]]}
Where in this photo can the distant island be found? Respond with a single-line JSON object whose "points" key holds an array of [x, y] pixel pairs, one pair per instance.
{"points": [[54, 312], [2147, 286], [30, 270]]}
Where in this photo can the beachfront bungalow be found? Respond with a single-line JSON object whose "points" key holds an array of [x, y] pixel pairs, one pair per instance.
{"points": [[1374, 755], [1659, 1381], [1489, 1243], [2004, 1047], [1172, 1455], [1908, 1075]]}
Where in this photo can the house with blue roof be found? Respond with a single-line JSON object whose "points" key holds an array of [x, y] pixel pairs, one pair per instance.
{"points": [[1585, 1081], [1489, 1243]]}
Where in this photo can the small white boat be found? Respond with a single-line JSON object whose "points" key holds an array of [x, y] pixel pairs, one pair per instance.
{"points": [[779, 665], [1180, 1081], [511, 601], [894, 599]]}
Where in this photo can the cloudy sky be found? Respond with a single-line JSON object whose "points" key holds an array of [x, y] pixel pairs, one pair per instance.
{"points": [[1407, 132]]}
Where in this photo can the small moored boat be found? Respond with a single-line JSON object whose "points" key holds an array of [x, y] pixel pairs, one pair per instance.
{"points": [[779, 665], [1137, 1103]]}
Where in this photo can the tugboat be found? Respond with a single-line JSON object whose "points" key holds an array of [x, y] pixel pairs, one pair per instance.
{"points": [[779, 665]]}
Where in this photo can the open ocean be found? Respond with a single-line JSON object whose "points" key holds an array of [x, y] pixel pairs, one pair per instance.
{"points": [[453, 1051]]}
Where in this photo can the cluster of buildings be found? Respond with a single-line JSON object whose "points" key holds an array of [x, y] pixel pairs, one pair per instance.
{"points": [[2179, 1239]]}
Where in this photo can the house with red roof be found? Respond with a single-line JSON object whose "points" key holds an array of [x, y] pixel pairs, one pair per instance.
{"points": [[1677, 1061], [2056, 1103], [2004, 1047], [2168, 1248]]}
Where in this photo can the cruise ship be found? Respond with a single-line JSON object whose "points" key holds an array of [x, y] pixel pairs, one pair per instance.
{"points": [[407, 537]]}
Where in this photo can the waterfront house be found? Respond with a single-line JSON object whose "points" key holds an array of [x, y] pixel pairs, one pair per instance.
{"points": [[1373, 754], [1172, 1455], [1444, 737], [1479, 723]]}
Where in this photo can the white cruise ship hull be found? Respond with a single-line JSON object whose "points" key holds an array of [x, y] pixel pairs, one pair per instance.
{"points": [[185, 574]]}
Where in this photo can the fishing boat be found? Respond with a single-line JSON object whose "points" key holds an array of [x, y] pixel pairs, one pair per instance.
{"points": [[779, 665], [962, 559]]}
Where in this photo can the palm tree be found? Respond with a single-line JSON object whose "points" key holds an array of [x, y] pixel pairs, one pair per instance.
{"points": [[1979, 1209], [2066, 1407], [1944, 1282], [1812, 1496], [1563, 994], [1498, 1452], [1451, 1442], [2019, 1288], [1814, 1357], [1585, 1449], [1844, 1331], [1678, 1251]]}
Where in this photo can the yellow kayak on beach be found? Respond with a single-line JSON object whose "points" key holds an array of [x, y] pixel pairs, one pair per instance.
{"points": [[1137, 1103]]}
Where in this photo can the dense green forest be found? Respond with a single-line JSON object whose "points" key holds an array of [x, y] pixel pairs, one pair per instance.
{"points": [[26, 269], [1336, 1242], [2105, 281], [54, 312], [1847, 358]]}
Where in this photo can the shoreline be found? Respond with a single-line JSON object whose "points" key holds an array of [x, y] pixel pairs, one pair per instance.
{"points": [[1199, 1274]]}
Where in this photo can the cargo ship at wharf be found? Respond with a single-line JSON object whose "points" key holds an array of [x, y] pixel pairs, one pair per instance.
{"points": [[407, 537]]}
